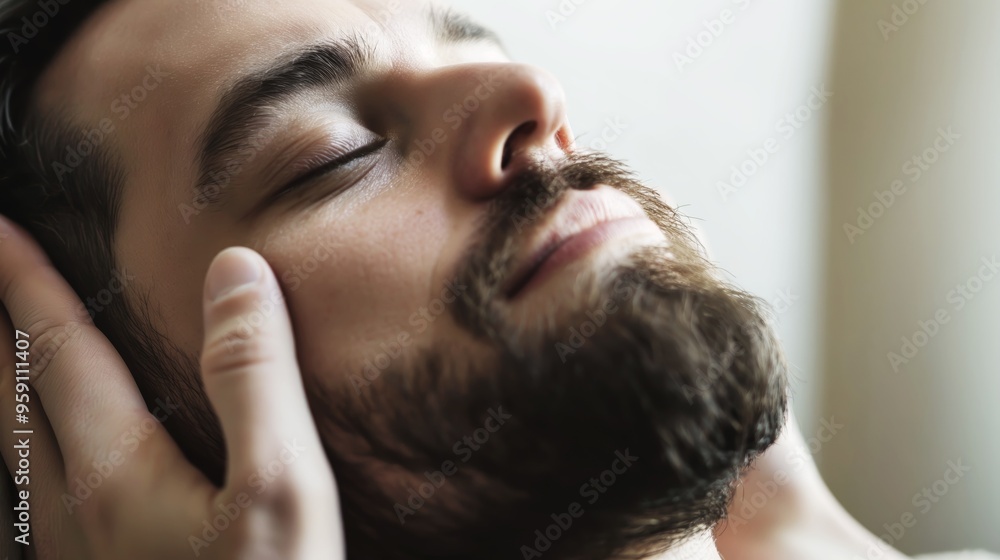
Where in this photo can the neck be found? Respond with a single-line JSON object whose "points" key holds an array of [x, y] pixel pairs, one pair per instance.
{"points": [[700, 546]]}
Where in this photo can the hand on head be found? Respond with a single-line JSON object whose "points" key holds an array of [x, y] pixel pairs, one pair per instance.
{"points": [[106, 480]]}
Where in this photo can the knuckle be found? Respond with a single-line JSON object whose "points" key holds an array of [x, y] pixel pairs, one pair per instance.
{"points": [[243, 336], [281, 493], [231, 353], [51, 338], [284, 496], [100, 513], [112, 487]]}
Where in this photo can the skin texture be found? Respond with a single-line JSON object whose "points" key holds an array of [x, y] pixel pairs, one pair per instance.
{"points": [[393, 242], [355, 268], [80, 413], [801, 519]]}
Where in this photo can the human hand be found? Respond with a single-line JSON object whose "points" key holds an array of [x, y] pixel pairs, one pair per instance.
{"points": [[7, 520], [151, 502]]}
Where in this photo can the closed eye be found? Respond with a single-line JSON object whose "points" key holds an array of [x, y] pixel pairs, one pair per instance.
{"points": [[326, 167]]}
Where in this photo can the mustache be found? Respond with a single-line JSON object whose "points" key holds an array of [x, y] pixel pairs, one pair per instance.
{"points": [[684, 373], [515, 215]]}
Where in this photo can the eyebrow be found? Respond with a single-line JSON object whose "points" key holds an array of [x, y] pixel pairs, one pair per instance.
{"points": [[451, 26], [239, 122]]}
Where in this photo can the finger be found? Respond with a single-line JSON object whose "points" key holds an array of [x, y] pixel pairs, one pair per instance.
{"points": [[7, 519], [252, 376], [28, 446], [86, 389]]}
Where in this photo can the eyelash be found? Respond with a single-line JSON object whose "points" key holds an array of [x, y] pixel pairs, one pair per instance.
{"points": [[328, 167]]}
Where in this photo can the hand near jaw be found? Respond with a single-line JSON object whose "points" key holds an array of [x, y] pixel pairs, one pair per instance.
{"points": [[150, 501]]}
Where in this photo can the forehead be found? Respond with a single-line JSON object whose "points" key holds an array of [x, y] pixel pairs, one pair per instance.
{"points": [[205, 38]]}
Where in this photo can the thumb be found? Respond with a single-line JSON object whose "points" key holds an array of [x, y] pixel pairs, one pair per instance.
{"points": [[251, 374]]}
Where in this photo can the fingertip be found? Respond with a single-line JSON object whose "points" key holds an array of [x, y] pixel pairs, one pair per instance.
{"points": [[245, 318], [231, 270]]}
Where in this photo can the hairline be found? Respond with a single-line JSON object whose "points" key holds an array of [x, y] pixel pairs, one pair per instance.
{"points": [[158, 366]]}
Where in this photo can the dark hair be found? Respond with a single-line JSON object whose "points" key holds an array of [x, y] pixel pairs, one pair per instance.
{"points": [[62, 180]]}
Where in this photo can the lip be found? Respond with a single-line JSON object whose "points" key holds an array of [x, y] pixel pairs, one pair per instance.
{"points": [[583, 222]]}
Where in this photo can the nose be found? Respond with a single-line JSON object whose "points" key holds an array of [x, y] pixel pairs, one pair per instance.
{"points": [[522, 122], [503, 117]]}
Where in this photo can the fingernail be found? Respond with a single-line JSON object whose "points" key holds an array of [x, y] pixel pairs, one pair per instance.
{"points": [[233, 268]]}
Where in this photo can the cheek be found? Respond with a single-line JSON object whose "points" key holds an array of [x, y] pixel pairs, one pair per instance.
{"points": [[354, 285]]}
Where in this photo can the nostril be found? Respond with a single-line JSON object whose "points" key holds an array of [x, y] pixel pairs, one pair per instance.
{"points": [[523, 131], [564, 140]]}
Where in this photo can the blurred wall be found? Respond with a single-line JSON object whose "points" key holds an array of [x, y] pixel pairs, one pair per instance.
{"points": [[912, 329], [687, 90]]}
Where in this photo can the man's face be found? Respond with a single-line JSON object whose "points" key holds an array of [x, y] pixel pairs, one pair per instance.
{"points": [[444, 251], [365, 252]]}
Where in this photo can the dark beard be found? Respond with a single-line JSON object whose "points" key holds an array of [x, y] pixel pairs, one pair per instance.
{"points": [[654, 368]]}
